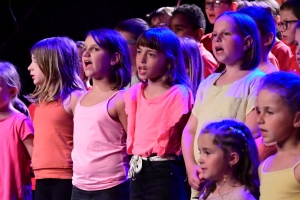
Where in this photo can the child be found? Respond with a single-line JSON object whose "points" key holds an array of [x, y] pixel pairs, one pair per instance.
{"points": [[214, 8], [280, 50], [54, 70], [278, 110], [231, 93], [100, 161], [130, 30], [82, 75], [157, 110], [16, 139], [193, 62], [297, 42], [267, 33], [188, 21], [229, 162], [289, 15], [160, 17]]}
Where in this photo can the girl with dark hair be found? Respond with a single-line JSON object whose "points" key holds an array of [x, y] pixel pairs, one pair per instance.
{"points": [[157, 110], [229, 161], [99, 155]]}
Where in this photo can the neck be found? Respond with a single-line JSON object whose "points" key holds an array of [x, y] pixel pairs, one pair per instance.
{"points": [[227, 185], [102, 85], [6, 111], [264, 57], [290, 144]]}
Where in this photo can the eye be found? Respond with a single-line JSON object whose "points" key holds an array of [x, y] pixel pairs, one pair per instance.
{"points": [[226, 33], [297, 44], [138, 51], [95, 49], [179, 29], [207, 153], [151, 54], [214, 35]]}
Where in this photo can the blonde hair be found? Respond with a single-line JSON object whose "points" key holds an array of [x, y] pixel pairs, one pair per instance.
{"points": [[58, 60]]}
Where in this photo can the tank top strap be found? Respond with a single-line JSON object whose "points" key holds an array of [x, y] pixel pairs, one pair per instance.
{"points": [[264, 164], [112, 96]]}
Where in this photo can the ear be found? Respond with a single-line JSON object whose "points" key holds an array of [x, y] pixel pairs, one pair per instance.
{"points": [[200, 33], [115, 59], [14, 91], [277, 19], [234, 6], [247, 42], [268, 39], [297, 120], [233, 158]]}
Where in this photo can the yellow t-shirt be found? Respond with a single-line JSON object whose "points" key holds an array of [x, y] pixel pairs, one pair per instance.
{"points": [[235, 100]]}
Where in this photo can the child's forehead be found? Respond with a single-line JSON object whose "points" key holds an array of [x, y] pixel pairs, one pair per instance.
{"points": [[289, 13]]}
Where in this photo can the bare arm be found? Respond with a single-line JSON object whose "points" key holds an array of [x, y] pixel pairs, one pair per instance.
{"points": [[187, 144], [28, 143], [71, 101], [120, 108]]}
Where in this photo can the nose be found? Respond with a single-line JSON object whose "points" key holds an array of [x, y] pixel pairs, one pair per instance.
{"points": [[85, 53], [141, 57], [29, 68], [260, 118], [200, 160]]}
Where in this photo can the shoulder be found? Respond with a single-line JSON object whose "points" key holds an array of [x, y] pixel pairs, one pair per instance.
{"points": [[241, 193]]}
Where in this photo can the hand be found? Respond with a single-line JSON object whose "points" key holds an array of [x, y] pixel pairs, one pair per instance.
{"points": [[195, 177]]}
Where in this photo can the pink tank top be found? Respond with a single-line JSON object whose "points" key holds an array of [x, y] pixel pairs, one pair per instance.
{"points": [[99, 156]]}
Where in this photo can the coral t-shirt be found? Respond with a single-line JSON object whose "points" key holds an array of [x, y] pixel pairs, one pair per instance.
{"points": [[14, 158]]}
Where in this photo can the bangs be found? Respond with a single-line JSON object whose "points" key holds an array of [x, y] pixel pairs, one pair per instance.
{"points": [[151, 40]]}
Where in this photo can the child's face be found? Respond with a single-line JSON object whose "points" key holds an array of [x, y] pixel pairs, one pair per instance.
{"points": [[288, 31], [227, 43], [297, 43], [214, 8], [96, 60], [35, 72], [180, 26], [150, 63], [274, 118], [212, 158], [131, 43]]}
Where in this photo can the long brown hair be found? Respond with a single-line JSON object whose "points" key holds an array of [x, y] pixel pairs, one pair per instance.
{"points": [[58, 60]]}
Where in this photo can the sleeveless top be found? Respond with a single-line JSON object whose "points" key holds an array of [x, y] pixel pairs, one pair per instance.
{"points": [[279, 185], [53, 141], [99, 154]]}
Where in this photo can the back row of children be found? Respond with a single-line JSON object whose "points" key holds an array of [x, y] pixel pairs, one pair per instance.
{"points": [[83, 139]]}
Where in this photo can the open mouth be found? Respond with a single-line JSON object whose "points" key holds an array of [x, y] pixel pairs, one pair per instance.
{"points": [[142, 70], [87, 63], [219, 49]]}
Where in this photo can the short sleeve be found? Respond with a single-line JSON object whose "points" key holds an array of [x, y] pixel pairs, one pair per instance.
{"points": [[254, 85], [25, 129]]}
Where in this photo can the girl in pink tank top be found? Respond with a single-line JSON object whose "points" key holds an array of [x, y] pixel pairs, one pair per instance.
{"points": [[278, 110], [99, 156], [158, 109], [54, 70]]}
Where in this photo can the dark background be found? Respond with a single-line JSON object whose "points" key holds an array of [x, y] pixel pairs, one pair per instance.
{"points": [[25, 22]]}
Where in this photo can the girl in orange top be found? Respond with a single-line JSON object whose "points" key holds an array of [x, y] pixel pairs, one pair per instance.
{"points": [[157, 110], [54, 70]]}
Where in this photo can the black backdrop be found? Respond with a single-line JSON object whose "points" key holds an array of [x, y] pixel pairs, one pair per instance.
{"points": [[39, 19]]}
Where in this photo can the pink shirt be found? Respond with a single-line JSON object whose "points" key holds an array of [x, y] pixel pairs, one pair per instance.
{"points": [[14, 158], [99, 156], [152, 127]]}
